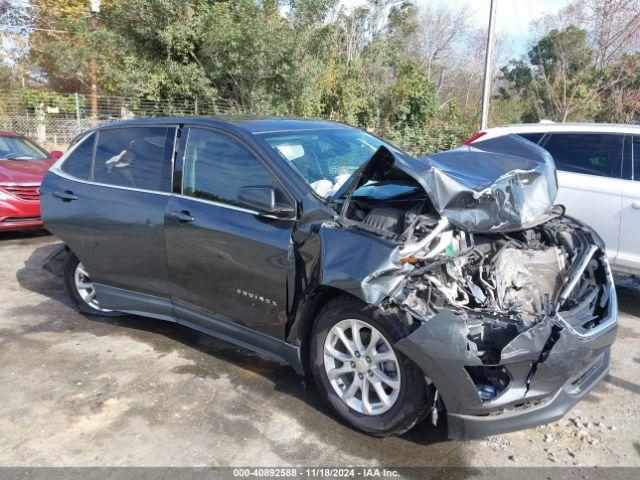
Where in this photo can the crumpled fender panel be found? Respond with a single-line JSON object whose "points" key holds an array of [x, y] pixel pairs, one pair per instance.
{"points": [[440, 348], [348, 258]]}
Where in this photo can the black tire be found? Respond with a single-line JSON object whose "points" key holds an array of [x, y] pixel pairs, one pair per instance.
{"points": [[411, 405], [69, 283]]}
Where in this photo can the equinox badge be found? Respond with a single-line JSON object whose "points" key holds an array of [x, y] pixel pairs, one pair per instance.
{"points": [[255, 296]]}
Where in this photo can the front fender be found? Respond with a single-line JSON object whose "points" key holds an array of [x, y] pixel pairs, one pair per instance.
{"points": [[332, 261], [349, 259]]}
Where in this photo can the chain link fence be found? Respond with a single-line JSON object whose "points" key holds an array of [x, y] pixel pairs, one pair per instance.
{"points": [[54, 120], [50, 132]]}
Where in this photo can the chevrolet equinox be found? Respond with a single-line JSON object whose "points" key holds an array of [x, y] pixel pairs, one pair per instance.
{"points": [[448, 286]]}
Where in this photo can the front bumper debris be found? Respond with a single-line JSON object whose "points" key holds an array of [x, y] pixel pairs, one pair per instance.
{"points": [[543, 382]]}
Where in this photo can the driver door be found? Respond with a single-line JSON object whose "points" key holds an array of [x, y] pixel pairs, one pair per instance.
{"points": [[226, 259]]}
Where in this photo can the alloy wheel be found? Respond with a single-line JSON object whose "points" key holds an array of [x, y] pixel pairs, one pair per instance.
{"points": [[362, 367], [85, 288]]}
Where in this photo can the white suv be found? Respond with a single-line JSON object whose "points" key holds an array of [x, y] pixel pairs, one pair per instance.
{"points": [[599, 176]]}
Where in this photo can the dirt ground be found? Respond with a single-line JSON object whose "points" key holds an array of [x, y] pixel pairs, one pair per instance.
{"points": [[83, 391]]}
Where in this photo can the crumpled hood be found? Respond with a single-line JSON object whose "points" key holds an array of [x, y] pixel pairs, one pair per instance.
{"points": [[498, 185], [502, 184]]}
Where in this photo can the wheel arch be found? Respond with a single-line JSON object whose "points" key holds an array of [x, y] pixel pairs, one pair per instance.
{"points": [[303, 326]]}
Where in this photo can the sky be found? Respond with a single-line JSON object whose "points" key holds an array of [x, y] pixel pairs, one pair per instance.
{"points": [[512, 16]]}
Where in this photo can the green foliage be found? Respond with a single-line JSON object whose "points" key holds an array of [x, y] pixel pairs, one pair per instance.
{"points": [[621, 100], [247, 55], [425, 139], [567, 46], [8, 81], [174, 82], [560, 80], [318, 61], [361, 66], [412, 99], [35, 99], [310, 13]]}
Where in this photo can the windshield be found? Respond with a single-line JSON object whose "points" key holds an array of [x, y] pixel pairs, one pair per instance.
{"points": [[324, 158], [13, 148]]}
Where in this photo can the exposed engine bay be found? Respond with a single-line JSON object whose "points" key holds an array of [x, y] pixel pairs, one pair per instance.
{"points": [[479, 235], [489, 275], [517, 275]]}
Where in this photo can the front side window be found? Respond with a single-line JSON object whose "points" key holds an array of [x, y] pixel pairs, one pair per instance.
{"points": [[588, 153], [15, 148], [217, 167], [131, 157], [324, 158], [78, 162]]}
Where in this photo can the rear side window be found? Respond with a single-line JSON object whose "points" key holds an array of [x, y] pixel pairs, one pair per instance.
{"points": [[532, 137], [217, 167], [590, 153], [78, 163], [131, 157]]}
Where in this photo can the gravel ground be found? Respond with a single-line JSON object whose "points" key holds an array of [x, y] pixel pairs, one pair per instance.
{"points": [[84, 391]]}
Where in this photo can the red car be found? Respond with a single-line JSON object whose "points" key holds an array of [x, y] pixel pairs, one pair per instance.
{"points": [[23, 163]]}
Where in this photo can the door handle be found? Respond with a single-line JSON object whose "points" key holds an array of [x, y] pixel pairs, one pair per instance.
{"points": [[635, 205], [182, 217], [66, 196]]}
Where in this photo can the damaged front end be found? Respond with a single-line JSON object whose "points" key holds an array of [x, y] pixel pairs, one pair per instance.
{"points": [[511, 304]]}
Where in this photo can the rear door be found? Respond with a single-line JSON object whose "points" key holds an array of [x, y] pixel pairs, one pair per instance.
{"points": [[107, 203], [226, 259], [629, 250], [590, 178]]}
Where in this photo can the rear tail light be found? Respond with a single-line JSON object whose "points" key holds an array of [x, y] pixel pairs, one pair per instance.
{"points": [[473, 138]]}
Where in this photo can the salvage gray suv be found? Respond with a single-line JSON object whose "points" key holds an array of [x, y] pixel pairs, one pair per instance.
{"points": [[448, 286]]}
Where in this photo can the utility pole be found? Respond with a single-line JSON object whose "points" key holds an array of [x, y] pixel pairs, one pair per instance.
{"points": [[93, 67], [486, 92]]}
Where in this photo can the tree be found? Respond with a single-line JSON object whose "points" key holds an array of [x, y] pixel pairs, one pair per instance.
{"points": [[621, 102], [441, 30], [560, 78], [412, 99]]}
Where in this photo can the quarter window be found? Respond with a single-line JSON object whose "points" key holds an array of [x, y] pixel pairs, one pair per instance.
{"points": [[591, 154], [78, 162], [217, 167], [131, 157]]}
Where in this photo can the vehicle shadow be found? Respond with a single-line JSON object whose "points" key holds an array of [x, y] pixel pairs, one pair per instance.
{"points": [[23, 234], [284, 380]]}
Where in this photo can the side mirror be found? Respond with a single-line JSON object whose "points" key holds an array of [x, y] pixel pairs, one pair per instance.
{"points": [[264, 200], [56, 154]]}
